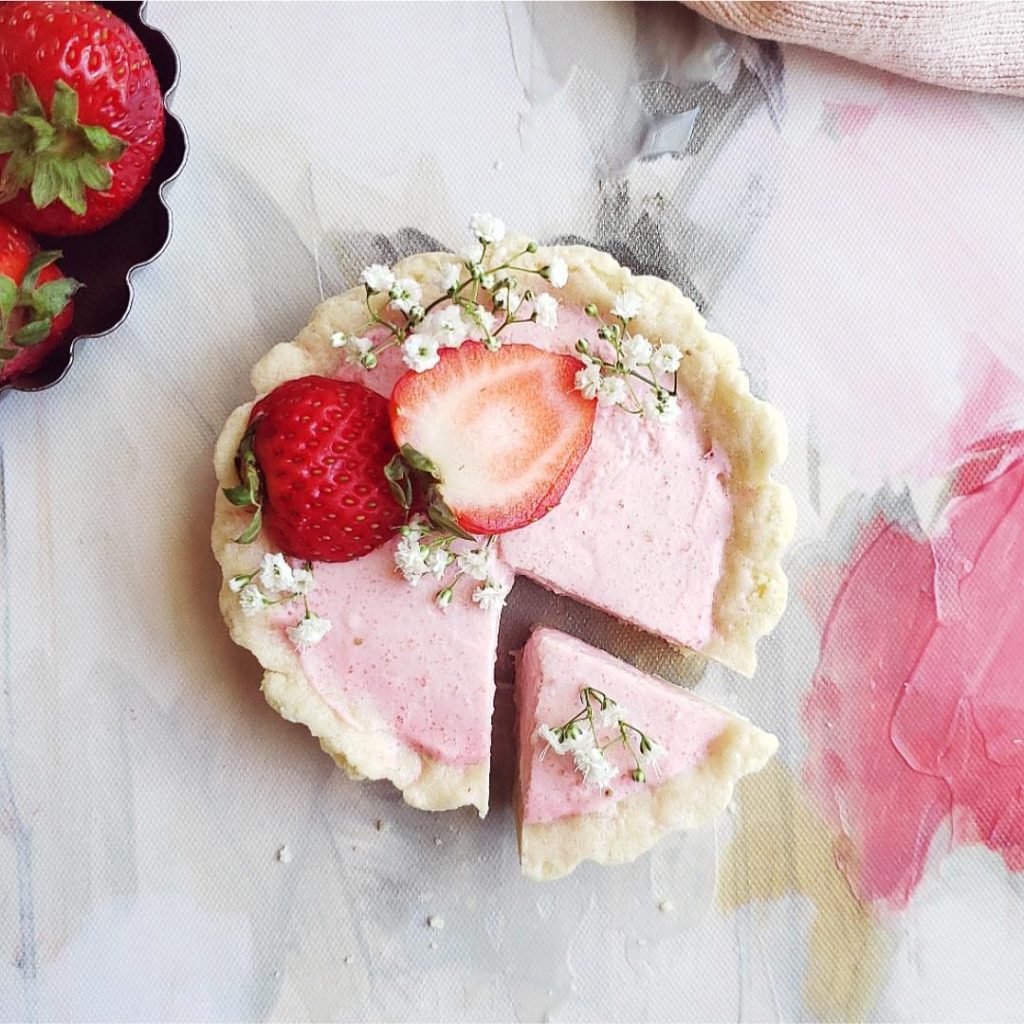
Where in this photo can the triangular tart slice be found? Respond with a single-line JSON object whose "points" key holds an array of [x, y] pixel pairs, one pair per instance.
{"points": [[671, 764]]}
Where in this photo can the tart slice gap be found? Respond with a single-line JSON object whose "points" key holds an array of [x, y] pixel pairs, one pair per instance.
{"points": [[611, 759]]}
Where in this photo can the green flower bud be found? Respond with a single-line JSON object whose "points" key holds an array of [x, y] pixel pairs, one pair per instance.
{"points": [[582, 346], [638, 775], [590, 309], [531, 247], [369, 360], [444, 597]]}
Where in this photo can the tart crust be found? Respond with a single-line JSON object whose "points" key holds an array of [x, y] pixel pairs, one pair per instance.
{"points": [[749, 598]]}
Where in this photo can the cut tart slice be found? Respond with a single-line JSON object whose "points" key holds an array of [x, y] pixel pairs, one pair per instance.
{"points": [[611, 759]]}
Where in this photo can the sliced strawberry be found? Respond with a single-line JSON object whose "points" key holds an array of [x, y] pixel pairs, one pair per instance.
{"points": [[505, 431]]}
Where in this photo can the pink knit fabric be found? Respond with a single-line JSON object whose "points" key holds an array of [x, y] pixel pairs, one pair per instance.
{"points": [[976, 46]]}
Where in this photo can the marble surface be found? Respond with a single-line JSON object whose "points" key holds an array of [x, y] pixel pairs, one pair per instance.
{"points": [[858, 236]]}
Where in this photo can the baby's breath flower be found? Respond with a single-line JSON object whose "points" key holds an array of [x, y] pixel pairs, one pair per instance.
{"points": [[472, 254], [437, 562], [612, 715], [237, 583], [449, 328], [276, 574], [404, 294], [303, 581], [483, 322], [567, 740], [487, 281], [377, 278], [627, 306], [419, 352], [252, 600], [491, 595], [552, 739], [588, 380], [506, 297], [557, 272], [356, 350], [612, 391], [652, 752], [666, 359], [487, 227], [595, 768], [338, 339], [444, 597], [636, 351], [416, 526], [449, 278], [411, 558], [660, 406], [474, 563], [309, 630], [546, 309]]}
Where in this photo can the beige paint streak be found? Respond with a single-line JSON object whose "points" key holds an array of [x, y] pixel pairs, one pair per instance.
{"points": [[783, 846]]}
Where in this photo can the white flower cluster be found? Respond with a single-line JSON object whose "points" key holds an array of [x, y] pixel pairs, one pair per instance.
{"points": [[588, 758], [276, 581], [422, 552], [636, 361], [579, 737], [454, 317]]}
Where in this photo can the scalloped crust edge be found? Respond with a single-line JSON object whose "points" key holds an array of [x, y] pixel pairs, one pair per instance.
{"points": [[686, 801], [751, 592]]}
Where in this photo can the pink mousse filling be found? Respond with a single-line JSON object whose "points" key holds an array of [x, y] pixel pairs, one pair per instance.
{"points": [[397, 663], [639, 533], [552, 670]]}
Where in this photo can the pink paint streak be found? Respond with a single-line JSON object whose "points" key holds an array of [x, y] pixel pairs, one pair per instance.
{"points": [[916, 712]]}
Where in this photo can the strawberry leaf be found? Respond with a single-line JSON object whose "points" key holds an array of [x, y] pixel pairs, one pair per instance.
{"points": [[240, 495], [39, 262], [26, 99], [8, 296], [64, 108], [419, 461], [33, 333], [45, 184], [104, 145], [252, 531], [442, 518], [94, 174], [14, 134], [50, 299]]}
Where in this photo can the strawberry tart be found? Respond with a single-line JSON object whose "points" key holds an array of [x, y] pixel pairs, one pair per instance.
{"points": [[454, 422]]}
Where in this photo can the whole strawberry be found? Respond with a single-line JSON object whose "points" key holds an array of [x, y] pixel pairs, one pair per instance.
{"points": [[35, 302], [81, 116], [312, 463]]}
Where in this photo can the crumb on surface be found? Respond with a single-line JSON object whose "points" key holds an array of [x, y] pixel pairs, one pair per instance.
{"points": [[438, 841], [666, 906], [349, 959], [284, 854], [381, 825], [436, 922]]}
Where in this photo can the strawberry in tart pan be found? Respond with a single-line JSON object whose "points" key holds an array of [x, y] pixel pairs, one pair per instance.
{"points": [[452, 423]]}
